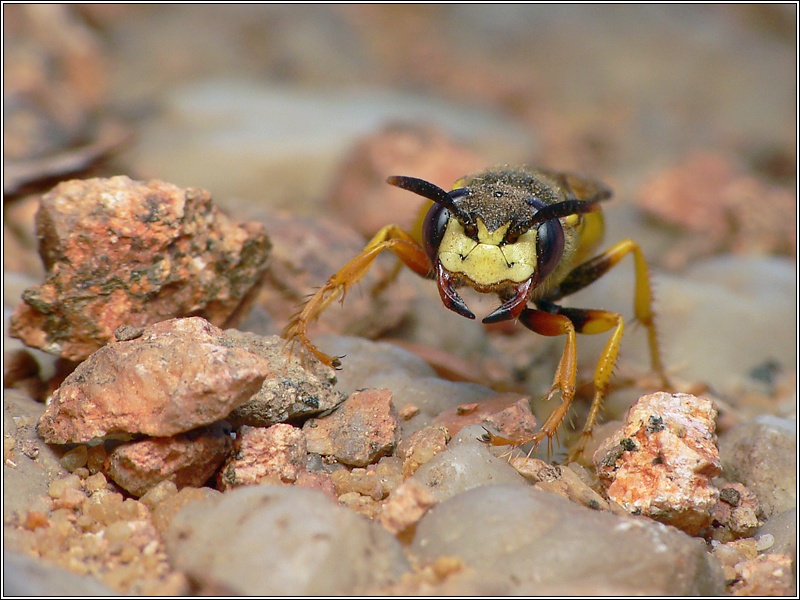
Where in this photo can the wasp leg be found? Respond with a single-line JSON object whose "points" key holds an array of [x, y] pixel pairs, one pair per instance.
{"points": [[556, 320], [551, 324], [596, 267], [590, 322], [392, 238]]}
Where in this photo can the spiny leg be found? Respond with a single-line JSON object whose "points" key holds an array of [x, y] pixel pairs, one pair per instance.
{"points": [[392, 238], [556, 320], [593, 322], [551, 324], [593, 269]]}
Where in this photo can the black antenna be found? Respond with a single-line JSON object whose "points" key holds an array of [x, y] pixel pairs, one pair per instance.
{"points": [[430, 191]]}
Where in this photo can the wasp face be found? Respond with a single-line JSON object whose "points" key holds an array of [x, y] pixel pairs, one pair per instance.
{"points": [[487, 258], [498, 231]]}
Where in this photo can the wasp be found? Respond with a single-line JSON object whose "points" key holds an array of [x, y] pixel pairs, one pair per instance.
{"points": [[526, 235]]}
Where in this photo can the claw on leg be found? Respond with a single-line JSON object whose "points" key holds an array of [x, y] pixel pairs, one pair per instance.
{"points": [[392, 238]]}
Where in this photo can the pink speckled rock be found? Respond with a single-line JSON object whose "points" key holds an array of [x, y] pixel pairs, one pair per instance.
{"points": [[661, 462], [178, 375], [274, 454], [119, 252], [364, 428], [187, 459]]}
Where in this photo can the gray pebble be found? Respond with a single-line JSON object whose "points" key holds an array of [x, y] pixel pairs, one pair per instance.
{"points": [[27, 576], [465, 464], [534, 540], [274, 541], [762, 454], [783, 529]]}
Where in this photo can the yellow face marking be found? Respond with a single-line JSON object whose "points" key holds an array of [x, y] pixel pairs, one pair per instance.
{"points": [[486, 262]]}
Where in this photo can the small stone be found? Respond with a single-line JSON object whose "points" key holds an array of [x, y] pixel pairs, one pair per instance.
{"points": [[519, 537], [71, 499], [762, 454], [281, 540], [262, 454], [96, 458], [319, 481], [364, 428], [126, 333], [408, 412], [421, 446], [59, 487], [405, 506], [95, 482], [121, 252], [783, 529], [508, 415], [18, 365], [764, 542], [35, 519], [179, 375], [75, 458], [188, 459], [465, 464], [118, 532], [765, 575], [165, 511], [159, 493], [661, 462], [303, 388], [736, 514], [390, 473], [363, 505], [562, 481]]}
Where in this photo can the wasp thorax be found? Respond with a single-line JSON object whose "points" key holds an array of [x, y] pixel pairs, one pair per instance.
{"points": [[488, 258]]}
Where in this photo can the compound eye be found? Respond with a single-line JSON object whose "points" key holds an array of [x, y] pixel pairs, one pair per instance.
{"points": [[433, 229], [549, 246]]}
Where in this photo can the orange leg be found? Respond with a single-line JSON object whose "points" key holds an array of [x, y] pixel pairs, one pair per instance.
{"points": [[392, 238], [596, 267], [569, 321], [555, 320]]}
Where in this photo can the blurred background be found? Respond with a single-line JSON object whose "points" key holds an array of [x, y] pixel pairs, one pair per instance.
{"points": [[688, 112]]}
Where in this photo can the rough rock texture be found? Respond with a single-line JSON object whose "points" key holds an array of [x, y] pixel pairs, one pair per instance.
{"points": [[736, 513], [274, 540], [265, 454], [118, 251], [762, 454], [300, 391], [564, 481], [507, 415], [661, 462], [405, 506], [765, 575], [180, 374], [421, 446], [362, 430], [187, 459], [526, 540]]}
